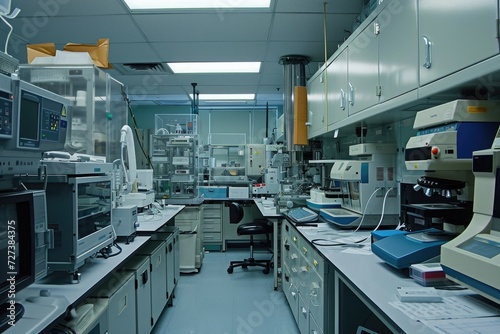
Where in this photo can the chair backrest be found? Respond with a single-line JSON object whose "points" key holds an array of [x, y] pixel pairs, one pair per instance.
{"points": [[235, 213]]}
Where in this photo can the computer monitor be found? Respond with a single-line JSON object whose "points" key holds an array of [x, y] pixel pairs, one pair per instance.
{"points": [[20, 213]]}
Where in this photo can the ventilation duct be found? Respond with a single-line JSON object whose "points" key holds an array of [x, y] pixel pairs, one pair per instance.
{"points": [[143, 68]]}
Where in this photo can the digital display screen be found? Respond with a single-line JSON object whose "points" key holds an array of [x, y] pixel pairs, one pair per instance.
{"points": [[8, 213], [28, 119]]}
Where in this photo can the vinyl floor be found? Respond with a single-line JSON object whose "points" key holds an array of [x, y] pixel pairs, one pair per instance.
{"points": [[215, 302]]}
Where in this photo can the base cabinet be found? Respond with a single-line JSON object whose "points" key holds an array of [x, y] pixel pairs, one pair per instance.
{"points": [[212, 226], [139, 266], [155, 250], [190, 224], [304, 273]]}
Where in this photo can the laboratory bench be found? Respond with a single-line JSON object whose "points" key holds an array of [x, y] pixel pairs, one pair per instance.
{"points": [[271, 214], [335, 289], [42, 300], [149, 224], [48, 301]]}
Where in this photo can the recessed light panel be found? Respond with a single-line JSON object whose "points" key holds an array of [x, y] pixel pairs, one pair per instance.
{"points": [[195, 4], [215, 67]]}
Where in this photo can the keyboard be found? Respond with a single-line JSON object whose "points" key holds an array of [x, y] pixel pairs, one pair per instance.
{"points": [[302, 215]]}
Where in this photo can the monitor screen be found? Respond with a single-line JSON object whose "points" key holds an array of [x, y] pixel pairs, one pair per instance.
{"points": [[16, 247], [29, 117]]}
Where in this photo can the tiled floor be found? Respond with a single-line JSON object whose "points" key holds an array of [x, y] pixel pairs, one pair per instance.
{"points": [[215, 302]]}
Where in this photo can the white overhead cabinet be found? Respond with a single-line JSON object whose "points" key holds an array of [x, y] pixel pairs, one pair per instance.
{"points": [[338, 83], [398, 51], [377, 64], [455, 34], [383, 57], [363, 70], [316, 105]]}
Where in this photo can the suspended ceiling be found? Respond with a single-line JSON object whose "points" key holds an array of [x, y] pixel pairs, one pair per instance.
{"points": [[288, 27]]}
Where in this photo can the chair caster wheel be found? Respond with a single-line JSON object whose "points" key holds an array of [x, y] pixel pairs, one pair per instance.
{"points": [[244, 266], [230, 270], [266, 271]]}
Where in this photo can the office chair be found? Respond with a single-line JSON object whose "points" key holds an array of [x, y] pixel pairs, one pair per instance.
{"points": [[257, 226]]}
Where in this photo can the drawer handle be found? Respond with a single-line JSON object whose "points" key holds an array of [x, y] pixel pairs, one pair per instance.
{"points": [[304, 250], [304, 311], [315, 263]]}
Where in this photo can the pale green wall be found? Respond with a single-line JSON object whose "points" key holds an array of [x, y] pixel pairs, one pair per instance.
{"points": [[250, 121]]}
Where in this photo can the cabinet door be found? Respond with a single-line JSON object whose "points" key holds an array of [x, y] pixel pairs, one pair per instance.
{"points": [[455, 34], [363, 70], [316, 106], [398, 52], [338, 105]]}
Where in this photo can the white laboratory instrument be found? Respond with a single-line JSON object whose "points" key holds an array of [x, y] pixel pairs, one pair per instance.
{"points": [[447, 135], [473, 258], [125, 224], [442, 150], [324, 199], [130, 195], [271, 171], [364, 186]]}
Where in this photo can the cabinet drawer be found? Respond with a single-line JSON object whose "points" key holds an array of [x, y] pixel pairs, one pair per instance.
{"points": [[211, 237], [188, 214], [211, 227], [316, 300], [212, 213], [212, 221], [303, 316], [211, 206], [317, 263]]}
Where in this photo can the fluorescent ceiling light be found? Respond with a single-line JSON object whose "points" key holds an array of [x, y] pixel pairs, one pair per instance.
{"points": [[224, 97], [193, 4], [215, 67]]}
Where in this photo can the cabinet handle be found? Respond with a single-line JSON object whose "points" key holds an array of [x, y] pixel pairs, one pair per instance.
{"points": [[351, 94], [428, 53], [304, 311], [342, 99]]}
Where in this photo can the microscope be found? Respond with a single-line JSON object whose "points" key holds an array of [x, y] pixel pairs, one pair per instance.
{"points": [[447, 136]]}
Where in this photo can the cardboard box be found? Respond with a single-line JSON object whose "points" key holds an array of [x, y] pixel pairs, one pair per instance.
{"points": [[72, 53]]}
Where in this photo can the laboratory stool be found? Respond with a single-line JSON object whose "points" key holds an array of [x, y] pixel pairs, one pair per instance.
{"points": [[257, 226]]}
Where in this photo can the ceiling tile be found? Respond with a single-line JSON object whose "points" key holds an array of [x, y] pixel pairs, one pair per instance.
{"points": [[210, 51], [132, 53], [316, 6], [78, 29], [208, 27]]}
